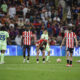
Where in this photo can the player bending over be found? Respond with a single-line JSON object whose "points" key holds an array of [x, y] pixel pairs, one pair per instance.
{"points": [[3, 43], [69, 37], [41, 45]]}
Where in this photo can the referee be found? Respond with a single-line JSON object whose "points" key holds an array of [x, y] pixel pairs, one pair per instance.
{"points": [[26, 43]]}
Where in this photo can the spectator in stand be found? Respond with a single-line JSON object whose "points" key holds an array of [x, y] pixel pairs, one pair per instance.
{"points": [[20, 23], [59, 39], [25, 11], [11, 24], [60, 12], [74, 14], [78, 21], [38, 15], [62, 3], [68, 3], [12, 33], [18, 39], [4, 7], [12, 11], [56, 18], [69, 15], [53, 41]]}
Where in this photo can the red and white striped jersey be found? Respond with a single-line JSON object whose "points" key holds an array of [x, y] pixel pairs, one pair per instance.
{"points": [[27, 37], [39, 42], [70, 39]]}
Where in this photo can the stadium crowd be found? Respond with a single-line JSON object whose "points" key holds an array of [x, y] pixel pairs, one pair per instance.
{"points": [[55, 15]]}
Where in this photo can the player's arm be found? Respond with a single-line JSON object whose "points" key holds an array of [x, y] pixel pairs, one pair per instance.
{"points": [[34, 37], [40, 44], [22, 39], [9, 41], [22, 42], [76, 41], [8, 38], [62, 42]]}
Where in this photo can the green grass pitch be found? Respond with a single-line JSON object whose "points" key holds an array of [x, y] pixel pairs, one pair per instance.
{"points": [[14, 69]]}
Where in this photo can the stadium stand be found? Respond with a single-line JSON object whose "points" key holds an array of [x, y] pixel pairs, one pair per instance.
{"points": [[55, 15]]}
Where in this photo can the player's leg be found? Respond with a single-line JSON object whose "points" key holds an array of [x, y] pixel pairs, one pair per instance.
{"points": [[3, 49], [48, 50], [71, 53], [48, 56], [70, 59], [37, 57], [24, 53], [67, 57], [2, 56], [43, 55], [28, 56]]}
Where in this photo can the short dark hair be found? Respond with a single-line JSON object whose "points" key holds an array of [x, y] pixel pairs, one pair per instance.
{"points": [[45, 29], [3, 28], [44, 43], [70, 28]]}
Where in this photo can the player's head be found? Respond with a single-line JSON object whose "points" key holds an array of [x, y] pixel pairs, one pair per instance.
{"points": [[70, 29], [3, 28], [27, 28], [44, 42], [45, 31]]}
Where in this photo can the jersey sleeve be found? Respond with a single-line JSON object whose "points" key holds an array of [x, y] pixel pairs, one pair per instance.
{"points": [[42, 36], [64, 35], [75, 35], [22, 34]]}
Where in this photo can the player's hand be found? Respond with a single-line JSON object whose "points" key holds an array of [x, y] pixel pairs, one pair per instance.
{"points": [[76, 45], [61, 46], [21, 46]]}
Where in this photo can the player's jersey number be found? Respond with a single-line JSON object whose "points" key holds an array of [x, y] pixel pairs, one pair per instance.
{"points": [[2, 37]]}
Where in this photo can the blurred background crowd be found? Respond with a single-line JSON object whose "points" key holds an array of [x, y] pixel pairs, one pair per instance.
{"points": [[55, 15]]}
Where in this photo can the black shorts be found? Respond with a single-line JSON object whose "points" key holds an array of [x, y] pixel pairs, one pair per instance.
{"points": [[70, 50], [42, 48], [27, 46]]}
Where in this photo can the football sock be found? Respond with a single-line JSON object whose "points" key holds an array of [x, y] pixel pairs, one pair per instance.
{"points": [[47, 58], [37, 59], [28, 58], [43, 59], [24, 55], [67, 61], [2, 57], [70, 62]]}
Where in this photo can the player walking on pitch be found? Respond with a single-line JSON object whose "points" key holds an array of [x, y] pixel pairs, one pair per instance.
{"points": [[69, 37], [3, 43], [46, 37]]}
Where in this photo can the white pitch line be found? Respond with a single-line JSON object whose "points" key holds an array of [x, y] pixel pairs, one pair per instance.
{"points": [[36, 69]]}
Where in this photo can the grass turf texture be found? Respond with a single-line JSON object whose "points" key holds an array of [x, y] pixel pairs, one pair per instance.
{"points": [[14, 69]]}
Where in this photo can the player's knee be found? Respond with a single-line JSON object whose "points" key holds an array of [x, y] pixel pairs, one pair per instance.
{"points": [[28, 54], [67, 55], [71, 55]]}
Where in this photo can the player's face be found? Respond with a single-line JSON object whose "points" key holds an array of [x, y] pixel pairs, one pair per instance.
{"points": [[45, 32], [70, 30]]}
